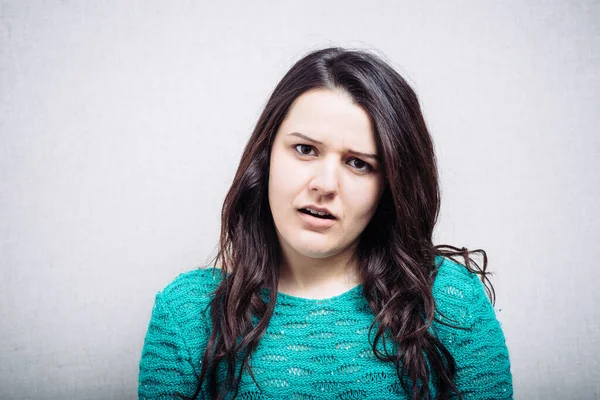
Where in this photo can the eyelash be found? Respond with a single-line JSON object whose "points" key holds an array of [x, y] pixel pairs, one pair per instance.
{"points": [[369, 167]]}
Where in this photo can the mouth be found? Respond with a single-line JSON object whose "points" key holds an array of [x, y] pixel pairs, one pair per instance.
{"points": [[316, 215], [316, 221]]}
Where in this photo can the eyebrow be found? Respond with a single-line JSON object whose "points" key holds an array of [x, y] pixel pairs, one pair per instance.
{"points": [[315, 141]]}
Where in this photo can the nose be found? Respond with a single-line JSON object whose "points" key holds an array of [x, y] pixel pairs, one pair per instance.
{"points": [[325, 179]]}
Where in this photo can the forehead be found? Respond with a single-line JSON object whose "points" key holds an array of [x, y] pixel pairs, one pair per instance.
{"points": [[330, 116]]}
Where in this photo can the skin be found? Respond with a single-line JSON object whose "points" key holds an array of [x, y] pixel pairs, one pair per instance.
{"points": [[318, 263]]}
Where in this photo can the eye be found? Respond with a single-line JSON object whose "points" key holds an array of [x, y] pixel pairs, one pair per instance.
{"points": [[303, 149], [362, 166]]}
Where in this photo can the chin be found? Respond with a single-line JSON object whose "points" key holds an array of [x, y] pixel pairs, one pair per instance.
{"points": [[315, 250]]}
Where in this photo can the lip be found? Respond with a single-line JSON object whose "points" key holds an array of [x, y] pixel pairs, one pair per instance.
{"points": [[320, 209], [314, 222]]}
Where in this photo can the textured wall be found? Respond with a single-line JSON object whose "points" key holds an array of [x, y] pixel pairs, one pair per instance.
{"points": [[121, 125]]}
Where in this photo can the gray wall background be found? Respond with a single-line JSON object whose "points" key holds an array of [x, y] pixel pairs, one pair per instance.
{"points": [[122, 123]]}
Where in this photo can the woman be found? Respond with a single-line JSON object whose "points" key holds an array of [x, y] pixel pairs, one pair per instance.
{"points": [[328, 284]]}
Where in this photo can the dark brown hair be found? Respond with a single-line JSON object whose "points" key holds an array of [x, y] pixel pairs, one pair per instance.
{"points": [[395, 251]]}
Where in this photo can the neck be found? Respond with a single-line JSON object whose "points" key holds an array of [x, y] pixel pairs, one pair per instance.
{"points": [[304, 276]]}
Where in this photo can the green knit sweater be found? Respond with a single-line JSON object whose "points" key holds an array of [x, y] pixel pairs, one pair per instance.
{"points": [[319, 349]]}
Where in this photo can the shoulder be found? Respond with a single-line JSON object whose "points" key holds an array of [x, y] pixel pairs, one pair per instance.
{"points": [[194, 283], [478, 346], [177, 334], [181, 309], [452, 273], [458, 291], [188, 293]]}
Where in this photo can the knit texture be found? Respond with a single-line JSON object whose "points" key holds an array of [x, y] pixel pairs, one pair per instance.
{"points": [[319, 349]]}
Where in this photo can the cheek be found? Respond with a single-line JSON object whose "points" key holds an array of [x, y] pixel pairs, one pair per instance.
{"points": [[363, 200], [283, 181]]}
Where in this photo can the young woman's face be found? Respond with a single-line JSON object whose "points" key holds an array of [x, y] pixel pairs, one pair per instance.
{"points": [[315, 161]]}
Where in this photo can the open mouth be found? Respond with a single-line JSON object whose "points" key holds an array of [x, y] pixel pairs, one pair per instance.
{"points": [[326, 216]]}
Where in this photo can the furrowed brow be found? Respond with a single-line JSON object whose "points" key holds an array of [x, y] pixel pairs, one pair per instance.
{"points": [[315, 141], [364, 155], [309, 139]]}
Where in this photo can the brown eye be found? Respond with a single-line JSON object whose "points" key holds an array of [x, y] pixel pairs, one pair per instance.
{"points": [[305, 149], [361, 165]]}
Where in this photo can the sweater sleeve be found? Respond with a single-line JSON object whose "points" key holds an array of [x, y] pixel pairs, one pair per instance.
{"points": [[480, 351], [166, 370]]}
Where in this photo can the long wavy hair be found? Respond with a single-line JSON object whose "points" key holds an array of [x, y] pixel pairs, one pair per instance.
{"points": [[395, 254]]}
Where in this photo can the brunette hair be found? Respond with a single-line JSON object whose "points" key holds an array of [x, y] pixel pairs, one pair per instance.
{"points": [[395, 251]]}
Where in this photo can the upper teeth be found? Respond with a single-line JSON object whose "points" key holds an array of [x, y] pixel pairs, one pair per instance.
{"points": [[316, 212]]}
